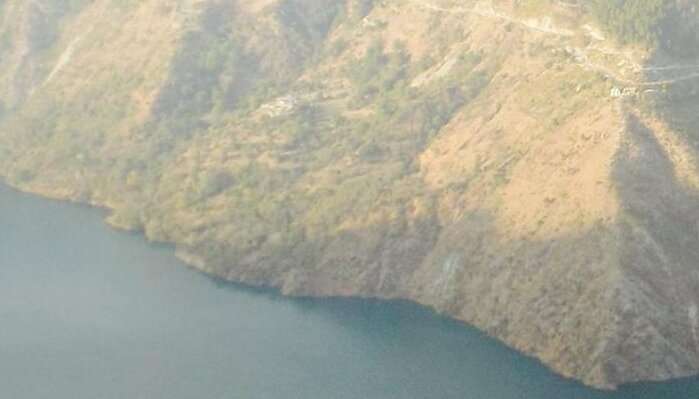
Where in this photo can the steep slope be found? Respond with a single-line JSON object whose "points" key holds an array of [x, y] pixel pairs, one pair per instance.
{"points": [[464, 155]]}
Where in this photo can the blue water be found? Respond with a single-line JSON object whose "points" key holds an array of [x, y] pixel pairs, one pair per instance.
{"points": [[91, 313]]}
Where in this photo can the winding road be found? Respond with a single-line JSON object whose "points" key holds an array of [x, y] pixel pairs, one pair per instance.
{"points": [[582, 56]]}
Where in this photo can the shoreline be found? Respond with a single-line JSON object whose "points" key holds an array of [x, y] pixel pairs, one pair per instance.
{"points": [[199, 265]]}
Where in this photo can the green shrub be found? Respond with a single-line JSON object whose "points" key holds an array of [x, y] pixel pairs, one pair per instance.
{"points": [[672, 25]]}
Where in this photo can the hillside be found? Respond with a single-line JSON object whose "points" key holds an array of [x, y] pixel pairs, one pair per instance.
{"points": [[528, 167]]}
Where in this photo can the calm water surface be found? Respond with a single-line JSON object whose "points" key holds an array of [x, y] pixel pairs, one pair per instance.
{"points": [[91, 313]]}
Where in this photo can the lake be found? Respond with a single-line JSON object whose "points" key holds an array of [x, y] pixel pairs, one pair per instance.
{"points": [[87, 312]]}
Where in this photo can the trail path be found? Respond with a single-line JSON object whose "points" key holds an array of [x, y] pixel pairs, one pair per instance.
{"points": [[582, 56], [64, 59]]}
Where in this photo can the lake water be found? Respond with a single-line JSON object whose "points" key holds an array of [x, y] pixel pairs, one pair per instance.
{"points": [[87, 312]]}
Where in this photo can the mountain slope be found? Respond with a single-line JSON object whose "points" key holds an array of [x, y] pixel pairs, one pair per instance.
{"points": [[464, 155]]}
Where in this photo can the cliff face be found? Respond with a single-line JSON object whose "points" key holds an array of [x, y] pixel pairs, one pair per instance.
{"points": [[464, 155]]}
